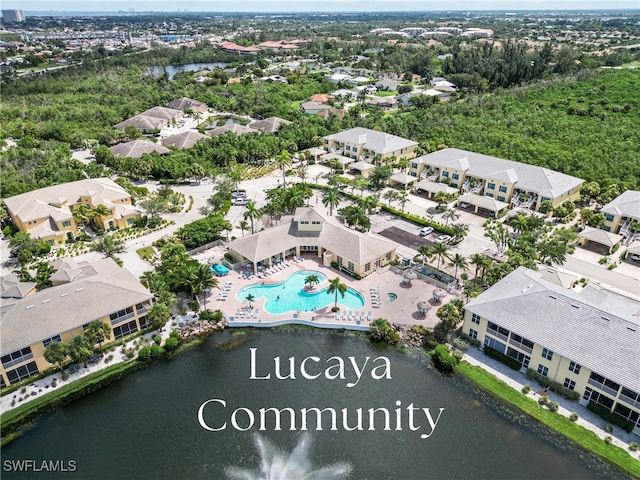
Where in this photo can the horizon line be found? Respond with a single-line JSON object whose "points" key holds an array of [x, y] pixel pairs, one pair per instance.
{"points": [[341, 11]]}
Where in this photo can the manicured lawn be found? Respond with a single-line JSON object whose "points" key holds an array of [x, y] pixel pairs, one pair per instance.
{"points": [[386, 94], [146, 252], [559, 423]]}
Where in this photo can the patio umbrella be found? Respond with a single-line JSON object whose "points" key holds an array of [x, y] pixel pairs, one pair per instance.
{"points": [[408, 276], [423, 307], [439, 294]]}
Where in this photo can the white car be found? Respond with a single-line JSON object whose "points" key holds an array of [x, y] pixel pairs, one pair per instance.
{"points": [[443, 239], [240, 201], [635, 258], [426, 231]]}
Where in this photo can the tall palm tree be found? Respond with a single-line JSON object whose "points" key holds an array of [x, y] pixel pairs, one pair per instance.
{"points": [[450, 214], [250, 298], [403, 198], [252, 213], [82, 215], [458, 261], [101, 211], [312, 280], [283, 161], [331, 199], [243, 225], [425, 252], [390, 195], [481, 262], [440, 251], [519, 224], [367, 203], [201, 279], [336, 286]]}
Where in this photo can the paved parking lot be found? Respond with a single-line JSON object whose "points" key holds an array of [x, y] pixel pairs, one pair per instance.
{"points": [[406, 238]]}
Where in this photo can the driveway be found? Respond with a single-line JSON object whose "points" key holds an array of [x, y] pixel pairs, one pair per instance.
{"points": [[406, 238]]}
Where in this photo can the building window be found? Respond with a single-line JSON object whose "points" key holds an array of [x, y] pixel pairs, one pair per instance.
{"points": [[120, 316], [126, 329], [575, 367], [17, 357], [570, 384], [473, 334], [339, 261], [367, 267], [502, 189], [315, 222], [546, 353], [414, 165], [542, 370], [144, 321], [350, 266], [445, 174], [495, 344], [491, 186], [348, 147], [490, 195], [304, 222], [47, 341], [609, 217], [129, 221], [389, 257], [455, 176], [475, 318], [501, 198], [66, 223], [21, 372]]}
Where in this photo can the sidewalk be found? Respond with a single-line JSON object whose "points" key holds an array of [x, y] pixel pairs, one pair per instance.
{"points": [[517, 380]]}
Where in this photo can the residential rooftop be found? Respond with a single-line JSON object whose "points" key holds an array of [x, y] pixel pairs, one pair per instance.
{"points": [[625, 205], [378, 142]]}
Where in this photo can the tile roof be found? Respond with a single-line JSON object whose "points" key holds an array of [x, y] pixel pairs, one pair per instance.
{"points": [[185, 103], [626, 205], [593, 328], [269, 125], [144, 123], [58, 309], [602, 237], [137, 148], [378, 142], [233, 128], [183, 140], [12, 287], [542, 181]]}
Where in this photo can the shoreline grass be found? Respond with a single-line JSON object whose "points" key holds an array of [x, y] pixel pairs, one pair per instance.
{"points": [[556, 422]]}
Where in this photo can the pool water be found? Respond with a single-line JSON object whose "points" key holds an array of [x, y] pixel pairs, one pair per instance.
{"points": [[290, 295], [391, 297], [219, 269]]}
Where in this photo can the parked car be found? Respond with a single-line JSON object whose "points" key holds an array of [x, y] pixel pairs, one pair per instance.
{"points": [[443, 239], [240, 201], [239, 194], [635, 257], [426, 231]]}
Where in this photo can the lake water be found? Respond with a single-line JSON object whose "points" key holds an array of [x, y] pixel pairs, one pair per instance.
{"points": [[146, 425], [189, 67]]}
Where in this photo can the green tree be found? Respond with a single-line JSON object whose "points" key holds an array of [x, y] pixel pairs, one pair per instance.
{"points": [[458, 261], [331, 199], [440, 251], [382, 331], [312, 280], [80, 349], [243, 226], [481, 262], [425, 253], [158, 315], [109, 246], [450, 214], [336, 286], [283, 160], [403, 198], [250, 298], [97, 332], [500, 236], [390, 196], [201, 279], [57, 353], [252, 213]]}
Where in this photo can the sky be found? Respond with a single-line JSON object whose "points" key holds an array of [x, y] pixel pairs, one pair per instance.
{"points": [[312, 5]]}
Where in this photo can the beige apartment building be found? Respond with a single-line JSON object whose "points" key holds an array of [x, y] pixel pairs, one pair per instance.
{"points": [[369, 145]]}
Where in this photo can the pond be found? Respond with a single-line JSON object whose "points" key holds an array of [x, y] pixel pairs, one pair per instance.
{"points": [[171, 70], [146, 425]]}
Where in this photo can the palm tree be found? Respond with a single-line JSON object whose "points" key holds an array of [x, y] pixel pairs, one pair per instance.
{"points": [[101, 211], [331, 199], [368, 203], [439, 251], [243, 226], [109, 246], [312, 280], [481, 262], [200, 279], [97, 332], [283, 161], [82, 215], [390, 195], [450, 214], [250, 298], [425, 252], [252, 213], [519, 224], [336, 286], [57, 353], [80, 349], [458, 261], [403, 197]]}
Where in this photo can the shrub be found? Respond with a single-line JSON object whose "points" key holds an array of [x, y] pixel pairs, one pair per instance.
{"points": [[155, 350], [552, 406], [194, 305], [612, 418], [573, 417], [211, 315], [501, 357], [608, 440], [443, 359], [553, 386], [174, 334], [543, 400], [157, 339], [471, 341], [171, 343], [144, 354], [633, 446], [609, 428], [526, 389], [460, 344]]}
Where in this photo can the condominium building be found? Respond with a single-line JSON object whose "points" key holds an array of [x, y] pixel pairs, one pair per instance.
{"points": [[308, 231], [503, 182], [10, 16], [587, 341], [84, 292], [369, 145], [47, 213], [622, 215]]}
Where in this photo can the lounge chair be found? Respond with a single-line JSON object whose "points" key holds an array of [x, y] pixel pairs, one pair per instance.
{"points": [[369, 316]]}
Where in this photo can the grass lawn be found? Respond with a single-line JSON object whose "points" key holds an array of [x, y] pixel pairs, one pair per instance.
{"points": [[146, 252], [385, 93], [559, 423]]}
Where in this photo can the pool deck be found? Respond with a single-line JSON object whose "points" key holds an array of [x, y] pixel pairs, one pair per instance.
{"points": [[402, 311]]}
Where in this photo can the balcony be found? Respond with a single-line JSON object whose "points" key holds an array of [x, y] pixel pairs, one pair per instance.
{"points": [[122, 319], [629, 401], [497, 334], [523, 200], [519, 345], [602, 387], [432, 177], [627, 233], [17, 361]]}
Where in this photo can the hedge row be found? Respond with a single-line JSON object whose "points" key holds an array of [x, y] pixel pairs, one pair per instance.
{"points": [[423, 222], [501, 357], [610, 417], [553, 386]]}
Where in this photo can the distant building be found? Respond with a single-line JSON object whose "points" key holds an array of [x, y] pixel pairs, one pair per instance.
{"points": [[10, 16]]}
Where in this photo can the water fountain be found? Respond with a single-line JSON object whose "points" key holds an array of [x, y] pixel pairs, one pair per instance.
{"points": [[276, 464]]}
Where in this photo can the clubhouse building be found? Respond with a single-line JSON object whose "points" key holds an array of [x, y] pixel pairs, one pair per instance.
{"points": [[587, 341], [82, 293], [47, 213], [308, 231], [491, 183]]}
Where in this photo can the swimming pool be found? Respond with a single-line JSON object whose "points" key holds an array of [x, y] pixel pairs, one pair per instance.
{"points": [[290, 295], [219, 269]]}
